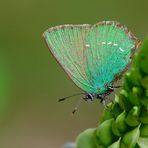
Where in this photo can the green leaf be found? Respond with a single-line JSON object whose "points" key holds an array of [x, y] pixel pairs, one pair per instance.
{"points": [[120, 122], [116, 109], [107, 114], [104, 133], [144, 116], [132, 117], [123, 101], [122, 145], [86, 139], [143, 142], [144, 130], [135, 76], [127, 82], [142, 58], [115, 130], [144, 82], [130, 138], [115, 144], [144, 101]]}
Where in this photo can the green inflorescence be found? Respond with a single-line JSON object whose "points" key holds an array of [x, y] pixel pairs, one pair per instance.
{"points": [[124, 123]]}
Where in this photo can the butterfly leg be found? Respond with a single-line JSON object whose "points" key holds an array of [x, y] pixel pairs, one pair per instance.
{"points": [[102, 98], [111, 89], [107, 108], [103, 101], [77, 105]]}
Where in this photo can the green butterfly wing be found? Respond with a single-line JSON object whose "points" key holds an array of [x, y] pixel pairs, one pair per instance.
{"points": [[92, 55], [110, 47], [67, 44]]}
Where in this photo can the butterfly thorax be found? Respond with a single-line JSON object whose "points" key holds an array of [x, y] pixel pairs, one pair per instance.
{"points": [[101, 96]]}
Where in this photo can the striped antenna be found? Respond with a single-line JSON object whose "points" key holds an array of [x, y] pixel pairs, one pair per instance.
{"points": [[62, 99]]}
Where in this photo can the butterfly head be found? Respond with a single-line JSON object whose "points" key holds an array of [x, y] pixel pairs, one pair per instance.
{"points": [[101, 95], [89, 97]]}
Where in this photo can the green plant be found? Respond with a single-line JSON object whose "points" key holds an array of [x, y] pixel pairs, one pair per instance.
{"points": [[124, 123]]}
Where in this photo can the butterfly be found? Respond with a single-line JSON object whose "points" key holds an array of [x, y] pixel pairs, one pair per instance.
{"points": [[93, 56]]}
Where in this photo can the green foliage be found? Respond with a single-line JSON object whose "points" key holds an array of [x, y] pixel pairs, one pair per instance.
{"points": [[126, 124]]}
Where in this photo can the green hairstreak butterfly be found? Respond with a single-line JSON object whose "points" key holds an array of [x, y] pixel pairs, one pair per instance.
{"points": [[93, 56]]}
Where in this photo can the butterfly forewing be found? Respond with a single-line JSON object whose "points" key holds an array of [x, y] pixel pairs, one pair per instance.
{"points": [[93, 56]]}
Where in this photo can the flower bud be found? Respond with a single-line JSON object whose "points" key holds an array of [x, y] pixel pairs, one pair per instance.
{"points": [[115, 144], [144, 130], [86, 139], [104, 133], [132, 117], [130, 138]]}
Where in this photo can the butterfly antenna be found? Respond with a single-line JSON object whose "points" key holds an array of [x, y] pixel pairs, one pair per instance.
{"points": [[77, 106], [118, 86], [112, 87], [62, 99]]}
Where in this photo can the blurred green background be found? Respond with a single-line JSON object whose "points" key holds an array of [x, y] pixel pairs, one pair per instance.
{"points": [[30, 79]]}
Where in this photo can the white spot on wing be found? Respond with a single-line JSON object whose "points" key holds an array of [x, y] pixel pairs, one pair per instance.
{"points": [[87, 45], [103, 43], [109, 43], [121, 49], [115, 44]]}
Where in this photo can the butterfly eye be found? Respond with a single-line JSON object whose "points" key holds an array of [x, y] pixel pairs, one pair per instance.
{"points": [[90, 97]]}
